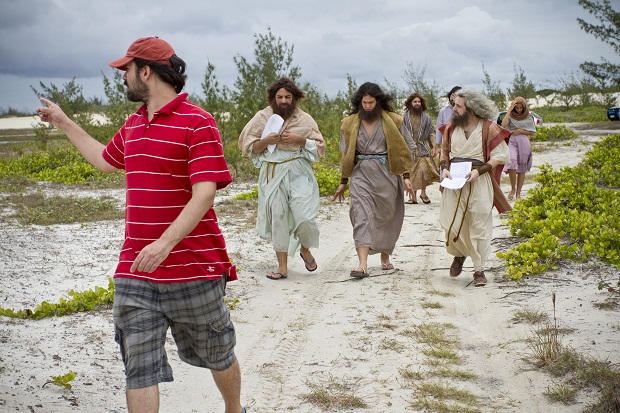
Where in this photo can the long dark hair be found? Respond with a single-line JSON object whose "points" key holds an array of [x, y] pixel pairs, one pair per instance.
{"points": [[371, 89], [287, 84], [413, 96], [173, 75]]}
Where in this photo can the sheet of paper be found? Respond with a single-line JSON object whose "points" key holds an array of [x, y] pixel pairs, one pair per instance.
{"points": [[458, 171], [274, 124]]}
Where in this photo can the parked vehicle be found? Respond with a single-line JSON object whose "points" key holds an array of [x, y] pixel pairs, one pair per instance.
{"points": [[538, 120], [613, 113]]}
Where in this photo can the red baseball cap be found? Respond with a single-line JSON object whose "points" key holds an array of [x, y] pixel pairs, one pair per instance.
{"points": [[147, 48]]}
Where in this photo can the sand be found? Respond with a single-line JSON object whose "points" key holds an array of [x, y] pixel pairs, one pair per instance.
{"points": [[311, 329]]}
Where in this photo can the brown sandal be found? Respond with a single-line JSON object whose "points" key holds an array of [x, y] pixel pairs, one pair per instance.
{"points": [[359, 273]]}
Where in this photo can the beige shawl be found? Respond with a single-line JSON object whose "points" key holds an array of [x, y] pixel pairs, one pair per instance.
{"points": [[299, 122]]}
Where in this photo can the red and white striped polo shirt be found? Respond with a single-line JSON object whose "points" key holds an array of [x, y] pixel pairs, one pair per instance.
{"points": [[162, 158]]}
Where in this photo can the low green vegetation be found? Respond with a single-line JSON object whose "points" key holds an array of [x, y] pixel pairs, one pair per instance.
{"points": [[589, 114], [78, 302], [553, 133], [572, 214], [61, 165], [38, 209], [247, 196], [62, 381]]}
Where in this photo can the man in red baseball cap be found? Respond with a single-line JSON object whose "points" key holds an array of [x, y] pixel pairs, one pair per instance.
{"points": [[153, 49], [173, 266]]}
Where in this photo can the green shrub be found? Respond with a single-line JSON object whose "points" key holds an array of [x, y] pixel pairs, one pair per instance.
{"points": [[572, 213], [561, 115], [78, 302], [598, 159], [553, 133], [328, 179], [62, 165], [35, 208], [253, 194]]}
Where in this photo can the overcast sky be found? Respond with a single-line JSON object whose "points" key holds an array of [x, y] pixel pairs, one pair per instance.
{"points": [[55, 40]]}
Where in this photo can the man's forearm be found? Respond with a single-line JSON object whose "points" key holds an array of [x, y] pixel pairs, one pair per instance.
{"points": [[259, 146], [90, 148], [203, 195]]}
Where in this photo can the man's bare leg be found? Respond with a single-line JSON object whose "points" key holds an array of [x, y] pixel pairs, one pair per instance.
{"points": [[413, 199], [362, 255], [423, 195], [385, 261], [144, 400], [282, 263], [229, 383], [307, 256]]}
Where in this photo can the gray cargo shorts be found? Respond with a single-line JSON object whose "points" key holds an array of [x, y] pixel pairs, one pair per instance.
{"points": [[198, 319]]}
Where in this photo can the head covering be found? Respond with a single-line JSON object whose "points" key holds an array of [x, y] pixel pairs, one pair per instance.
{"points": [[148, 48], [526, 111]]}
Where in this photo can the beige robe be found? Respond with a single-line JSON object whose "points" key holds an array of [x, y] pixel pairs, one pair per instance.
{"points": [[288, 194], [476, 233]]}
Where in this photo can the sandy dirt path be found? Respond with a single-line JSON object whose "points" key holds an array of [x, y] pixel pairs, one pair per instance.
{"points": [[312, 329]]}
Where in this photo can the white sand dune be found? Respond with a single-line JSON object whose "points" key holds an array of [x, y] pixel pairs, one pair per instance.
{"points": [[29, 122], [24, 122]]}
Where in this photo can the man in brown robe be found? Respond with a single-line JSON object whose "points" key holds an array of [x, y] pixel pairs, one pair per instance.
{"points": [[376, 153], [420, 125]]}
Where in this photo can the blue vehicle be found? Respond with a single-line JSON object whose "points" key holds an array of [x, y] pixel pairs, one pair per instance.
{"points": [[613, 113]]}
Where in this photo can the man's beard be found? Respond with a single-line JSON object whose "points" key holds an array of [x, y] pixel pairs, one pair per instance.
{"points": [[138, 92], [285, 110], [461, 120], [416, 110], [372, 115]]}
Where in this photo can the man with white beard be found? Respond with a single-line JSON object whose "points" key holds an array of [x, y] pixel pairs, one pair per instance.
{"points": [[466, 213]]}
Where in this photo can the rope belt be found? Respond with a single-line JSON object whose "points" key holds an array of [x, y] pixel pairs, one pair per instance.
{"points": [[457, 160], [382, 158], [273, 167]]}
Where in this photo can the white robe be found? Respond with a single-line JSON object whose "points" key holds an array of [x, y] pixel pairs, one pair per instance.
{"points": [[476, 233]]}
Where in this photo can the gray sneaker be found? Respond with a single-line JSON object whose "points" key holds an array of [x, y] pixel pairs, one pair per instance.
{"points": [[479, 279]]}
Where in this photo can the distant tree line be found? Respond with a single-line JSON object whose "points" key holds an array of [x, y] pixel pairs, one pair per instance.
{"points": [[234, 106]]}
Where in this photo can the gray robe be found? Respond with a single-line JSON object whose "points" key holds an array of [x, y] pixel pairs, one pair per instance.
{"points": [[377, 200]]}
